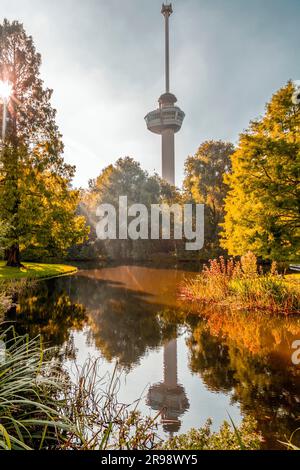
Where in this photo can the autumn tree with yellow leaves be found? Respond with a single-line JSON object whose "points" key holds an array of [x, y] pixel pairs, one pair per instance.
{"points": [[263, 202]]}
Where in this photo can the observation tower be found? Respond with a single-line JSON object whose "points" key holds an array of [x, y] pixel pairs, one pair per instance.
{"points": [[167, 119]]}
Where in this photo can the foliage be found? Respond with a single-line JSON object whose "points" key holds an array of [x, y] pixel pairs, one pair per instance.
{"points": [[263, 203], [37, 203], [238, 284], [204, 184], [126, 178], [213, 283], [227, 438], [5, 300], [100, 421], [290, 445]]}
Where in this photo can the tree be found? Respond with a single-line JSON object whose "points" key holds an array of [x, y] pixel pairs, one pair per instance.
{"points": [[263, 203], [204, 184], [36, 199], [127, 178]]}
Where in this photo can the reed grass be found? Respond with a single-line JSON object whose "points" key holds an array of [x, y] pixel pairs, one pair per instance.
{"points": [[42, 408], [30, 408], [241, 285]]}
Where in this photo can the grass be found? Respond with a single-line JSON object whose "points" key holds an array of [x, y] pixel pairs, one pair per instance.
{"points": [[35, 271], [241, 285], [42, 408], [30, 401], [289, 445]]}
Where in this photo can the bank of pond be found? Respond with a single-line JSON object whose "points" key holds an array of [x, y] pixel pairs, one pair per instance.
{"points": [[127, 333]]}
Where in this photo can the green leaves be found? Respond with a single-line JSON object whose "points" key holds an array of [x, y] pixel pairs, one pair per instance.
{"points": [[263, 203], [36, 200], [204, 184]]}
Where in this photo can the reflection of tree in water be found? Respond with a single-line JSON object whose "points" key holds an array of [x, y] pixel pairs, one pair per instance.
{"points": [[266, 386], [206, 350], [47, 309], [124, 324]]}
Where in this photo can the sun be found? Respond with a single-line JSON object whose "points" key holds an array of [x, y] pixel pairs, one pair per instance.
{"points": [[5, 90]]}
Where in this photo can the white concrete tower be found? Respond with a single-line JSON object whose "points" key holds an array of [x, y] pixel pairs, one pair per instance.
{"points": [[168, 118]]}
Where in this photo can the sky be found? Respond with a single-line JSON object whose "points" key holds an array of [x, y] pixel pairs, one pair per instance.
{"points": [[104, 59]]}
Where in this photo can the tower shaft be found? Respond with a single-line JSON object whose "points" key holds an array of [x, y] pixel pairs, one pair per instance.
{"points": [[168, 151], [170, 364]]}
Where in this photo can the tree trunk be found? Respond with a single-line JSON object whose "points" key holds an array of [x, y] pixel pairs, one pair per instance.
{"points": [[12, 256]]}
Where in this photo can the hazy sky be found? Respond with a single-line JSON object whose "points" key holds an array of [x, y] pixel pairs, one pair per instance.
{"points": [[105, 61]]}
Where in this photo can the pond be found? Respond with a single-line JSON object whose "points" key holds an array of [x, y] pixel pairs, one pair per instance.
{"points": [[173, 359]]}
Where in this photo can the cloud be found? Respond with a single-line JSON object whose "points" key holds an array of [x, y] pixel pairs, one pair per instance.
{"points": [[105, 62]]}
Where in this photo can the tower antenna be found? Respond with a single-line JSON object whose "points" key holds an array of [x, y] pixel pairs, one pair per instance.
{"points": [[167, 11]]}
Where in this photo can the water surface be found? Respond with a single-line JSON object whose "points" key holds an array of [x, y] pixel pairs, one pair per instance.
{"points": [[177, 362]]}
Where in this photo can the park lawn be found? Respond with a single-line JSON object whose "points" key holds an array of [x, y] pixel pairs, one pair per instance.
{"points": [[35, 271]]}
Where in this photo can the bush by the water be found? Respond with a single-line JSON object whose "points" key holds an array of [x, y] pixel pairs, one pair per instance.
{"points": [[229, 437], [241, 284]]}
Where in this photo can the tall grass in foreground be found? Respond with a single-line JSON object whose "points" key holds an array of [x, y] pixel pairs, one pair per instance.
{"points": [[42, 408], [240, 284], [99, 421], [290, 445], [29, 411]]}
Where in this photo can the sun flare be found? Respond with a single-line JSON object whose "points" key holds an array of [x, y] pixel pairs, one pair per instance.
{"points": [[5, 90]]}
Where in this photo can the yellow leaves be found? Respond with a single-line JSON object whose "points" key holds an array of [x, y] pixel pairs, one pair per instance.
{"points": [[262, 203]]}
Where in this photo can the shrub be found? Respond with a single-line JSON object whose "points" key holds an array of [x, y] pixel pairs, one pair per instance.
{"points": [[213, 283], [228, 438], [241, 285]]}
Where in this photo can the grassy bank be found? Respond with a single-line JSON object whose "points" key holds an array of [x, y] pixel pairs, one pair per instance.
{"points": [[242, 285], [34, 271]]}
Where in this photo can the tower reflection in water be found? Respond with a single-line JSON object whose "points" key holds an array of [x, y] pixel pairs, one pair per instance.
{"points": [[169, 396]]}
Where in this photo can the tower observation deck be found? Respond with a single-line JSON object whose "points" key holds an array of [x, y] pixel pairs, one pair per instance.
{"points": [[167, 119]]}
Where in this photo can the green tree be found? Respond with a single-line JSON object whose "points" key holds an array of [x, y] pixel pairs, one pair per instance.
{"points": [[204, 184], [127, 178], [36, 199], [263, 203]]}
